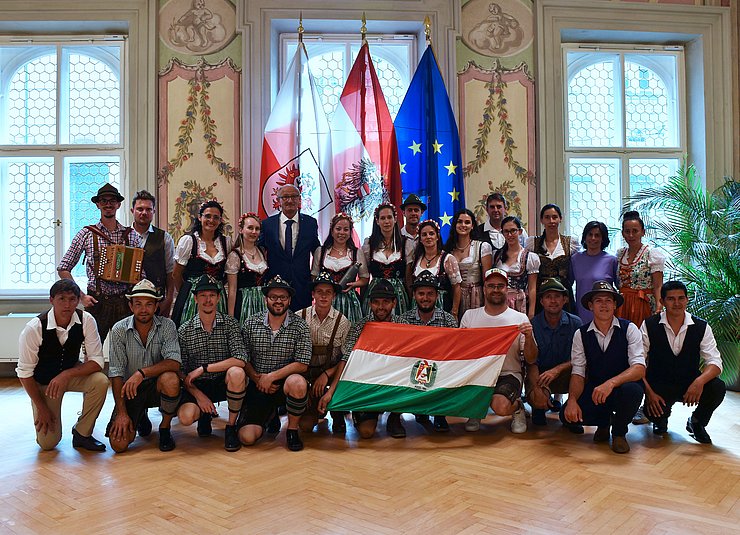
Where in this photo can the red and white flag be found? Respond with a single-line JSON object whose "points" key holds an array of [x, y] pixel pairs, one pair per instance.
{"points": [[366, 170], [297, 146]]}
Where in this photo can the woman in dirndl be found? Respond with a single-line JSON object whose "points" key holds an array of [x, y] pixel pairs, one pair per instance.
{"points": [[474, 258], [385, 253], [245, 268], [203, 249], [338, 254], [521, 265]]}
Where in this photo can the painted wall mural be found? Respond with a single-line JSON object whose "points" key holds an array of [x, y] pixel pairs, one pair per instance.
{"points": [[199, 112], [497, 107]]}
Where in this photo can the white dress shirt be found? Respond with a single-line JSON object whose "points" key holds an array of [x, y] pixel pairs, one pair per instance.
{"points": [[497, 238], [283, 219], [707, 348], [635, 352], [169, 247], [31, 338]]}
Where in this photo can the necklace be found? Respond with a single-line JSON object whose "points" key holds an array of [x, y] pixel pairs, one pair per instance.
{"points": [[462, 250], [340, 254], [430, 260], [251, 255]]}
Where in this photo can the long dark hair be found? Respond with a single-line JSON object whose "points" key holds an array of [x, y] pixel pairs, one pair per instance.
{"points": [[503, 254], [452, 238], [419, 249], [376, 236], [341, 216], [198, 227]]}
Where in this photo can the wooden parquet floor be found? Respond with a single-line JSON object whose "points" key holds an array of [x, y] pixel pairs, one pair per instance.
{"points": [[545, 481]]}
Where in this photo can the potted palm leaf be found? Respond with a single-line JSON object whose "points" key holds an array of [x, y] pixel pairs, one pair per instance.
{"points": [[701, 233]]}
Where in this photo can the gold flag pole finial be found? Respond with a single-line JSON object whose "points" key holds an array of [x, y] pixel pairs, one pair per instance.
{"points": [[428, 30], [300, 28], [363, 30]]}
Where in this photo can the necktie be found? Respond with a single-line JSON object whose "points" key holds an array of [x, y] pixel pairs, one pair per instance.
{"points": [[289, 238]]}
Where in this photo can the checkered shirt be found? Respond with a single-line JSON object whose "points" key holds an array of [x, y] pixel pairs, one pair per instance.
{"points": [[199, 347], [356, 331], [128, 353], [440, 318], [269, 352]]}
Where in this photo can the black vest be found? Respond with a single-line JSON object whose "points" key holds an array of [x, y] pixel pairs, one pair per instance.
{"points": [[54, 357], [665, 368], [603, 365], [154, 261]]}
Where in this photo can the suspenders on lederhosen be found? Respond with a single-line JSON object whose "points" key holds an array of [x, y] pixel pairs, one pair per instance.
{"points": [[320, 354]]}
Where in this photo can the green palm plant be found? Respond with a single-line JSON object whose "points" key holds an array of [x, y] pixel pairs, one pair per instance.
{"points": [[701, 232]]}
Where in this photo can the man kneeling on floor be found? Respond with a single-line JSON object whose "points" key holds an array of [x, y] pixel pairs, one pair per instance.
{"points": [[608, 367], [279, 345], [675, 344], [213, 357], [49, 366], [144, 361]]}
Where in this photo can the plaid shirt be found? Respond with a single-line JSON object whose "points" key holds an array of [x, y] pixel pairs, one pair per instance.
{"points": [[83, 242], [270, 351], [128, 353], [356, 331], [199, 347], [440, 318]]}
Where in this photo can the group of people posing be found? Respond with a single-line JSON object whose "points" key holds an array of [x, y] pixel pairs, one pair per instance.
{"points": [[267, 324]]}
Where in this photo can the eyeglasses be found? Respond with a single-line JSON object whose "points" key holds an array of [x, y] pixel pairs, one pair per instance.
{"points": [[496, 287], [108, 200], [211, 217], [282, 298], [289, 197], [510, 231]]}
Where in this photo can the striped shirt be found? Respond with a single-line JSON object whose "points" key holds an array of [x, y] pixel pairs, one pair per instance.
{"points": [[321, 330], [128, 353], [83, 242], [199, 347], [269, 351]]}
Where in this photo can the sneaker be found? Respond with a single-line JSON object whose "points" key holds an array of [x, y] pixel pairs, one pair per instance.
{"points": [[472, 425], [204, 425], [145, 425], [166, 442], [697, 431], [231, 438], [519, 421], [640, 418], [538, 417]]}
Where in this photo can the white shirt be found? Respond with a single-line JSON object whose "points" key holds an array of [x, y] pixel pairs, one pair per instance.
{"points": [[169, 247], [478, 318], [635, 352], [707, 348], [408, 235], [283, 219], [497, 238], [30, 341], [185, 247]]}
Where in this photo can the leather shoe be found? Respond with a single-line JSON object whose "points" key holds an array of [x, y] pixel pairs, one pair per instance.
{"points": [[338, 425], [538, 417], [576, 429], [166, 442], [87, 443], [273, 426], [204, 425], [620, 445], [293, 440], [394, 427], [660, 426], [145, 425], [602, 434], [441, 425], [697, 431], [422, 419], [231, 438]]}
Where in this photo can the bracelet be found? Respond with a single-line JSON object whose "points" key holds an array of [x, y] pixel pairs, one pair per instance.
{"points": [[327, 376], [143, 375]]}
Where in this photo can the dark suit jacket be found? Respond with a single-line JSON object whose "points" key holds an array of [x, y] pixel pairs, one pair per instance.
{"points": [[295, 270]]}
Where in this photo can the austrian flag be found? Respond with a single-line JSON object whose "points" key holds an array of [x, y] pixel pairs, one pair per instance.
{"points": [[423, 370]]}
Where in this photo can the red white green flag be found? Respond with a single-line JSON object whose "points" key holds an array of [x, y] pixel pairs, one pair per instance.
{"points": [[423, 370]]}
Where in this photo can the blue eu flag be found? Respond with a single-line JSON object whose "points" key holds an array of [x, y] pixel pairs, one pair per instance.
{"points": [[429, 145]]}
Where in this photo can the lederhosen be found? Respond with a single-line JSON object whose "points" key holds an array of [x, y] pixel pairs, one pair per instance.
{"points": [[321, 355], [110, 308]]}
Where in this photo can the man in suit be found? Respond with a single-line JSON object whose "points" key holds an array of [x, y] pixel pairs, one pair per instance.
{"points": [[290, 238]]}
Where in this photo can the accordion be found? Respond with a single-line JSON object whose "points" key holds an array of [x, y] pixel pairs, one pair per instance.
{"points": [[119, 263]]}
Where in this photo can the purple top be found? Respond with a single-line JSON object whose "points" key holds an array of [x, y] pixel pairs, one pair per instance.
{"points": [[586, 270]]}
